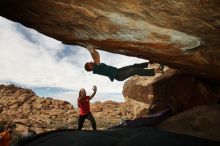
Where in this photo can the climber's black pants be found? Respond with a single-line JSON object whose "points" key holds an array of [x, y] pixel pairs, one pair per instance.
{"points": [[131, 70]]}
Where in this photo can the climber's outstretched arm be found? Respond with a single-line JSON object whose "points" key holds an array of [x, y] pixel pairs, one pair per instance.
{"points": [[95, 55]]}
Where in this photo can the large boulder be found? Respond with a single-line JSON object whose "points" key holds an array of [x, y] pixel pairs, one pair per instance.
{"points": [[132, 109], [202, 121], [174, 89], [182, 34]]}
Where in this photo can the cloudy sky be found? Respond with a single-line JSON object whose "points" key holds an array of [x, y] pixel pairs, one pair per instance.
{"points": [[52, 69]]}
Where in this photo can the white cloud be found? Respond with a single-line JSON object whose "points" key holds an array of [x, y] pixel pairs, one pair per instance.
{"points": [[32, 60]]}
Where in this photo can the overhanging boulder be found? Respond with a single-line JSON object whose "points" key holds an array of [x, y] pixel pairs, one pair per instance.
{"points": [[182, 34]]}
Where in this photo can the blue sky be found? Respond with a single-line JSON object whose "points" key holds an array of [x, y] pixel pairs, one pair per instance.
{"points": [[52, 69]]}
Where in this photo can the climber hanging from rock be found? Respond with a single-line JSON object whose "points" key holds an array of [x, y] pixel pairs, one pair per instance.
{"points": [[118, 74]]}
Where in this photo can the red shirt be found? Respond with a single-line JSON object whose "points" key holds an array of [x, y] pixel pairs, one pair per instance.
{"points": [[5, 139], [84, 106]]}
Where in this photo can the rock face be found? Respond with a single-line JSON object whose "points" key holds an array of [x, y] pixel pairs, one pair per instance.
{"points": [[137, 93], [182, 34], [107, 114], [202, 121], [174, 89], [132, 109], [24, 108]]}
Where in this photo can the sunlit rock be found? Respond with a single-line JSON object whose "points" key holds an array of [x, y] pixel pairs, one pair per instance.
{"points": [[182, 34]]}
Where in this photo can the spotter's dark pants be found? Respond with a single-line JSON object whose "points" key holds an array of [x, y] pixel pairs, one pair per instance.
{"points": [[88, 116]]}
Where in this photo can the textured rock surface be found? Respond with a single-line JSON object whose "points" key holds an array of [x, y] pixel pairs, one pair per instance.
{"points": [[24, 107], [202, 121], [133, 108], [173, 88], [137, 93], [107, 113], [182, 34]]}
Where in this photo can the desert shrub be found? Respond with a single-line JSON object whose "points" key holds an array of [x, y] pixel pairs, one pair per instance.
{"points": [[16, 137], [2, 125]]}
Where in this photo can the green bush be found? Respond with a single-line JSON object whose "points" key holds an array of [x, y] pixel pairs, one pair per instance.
{"points": [[2, 125]]}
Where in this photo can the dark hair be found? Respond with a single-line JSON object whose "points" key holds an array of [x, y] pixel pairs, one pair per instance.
{"points": [[151, 61], [81, 90], [87, 66]]}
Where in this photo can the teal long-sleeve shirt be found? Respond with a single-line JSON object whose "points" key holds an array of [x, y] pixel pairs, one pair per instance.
{"points": [[105, 70]]}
